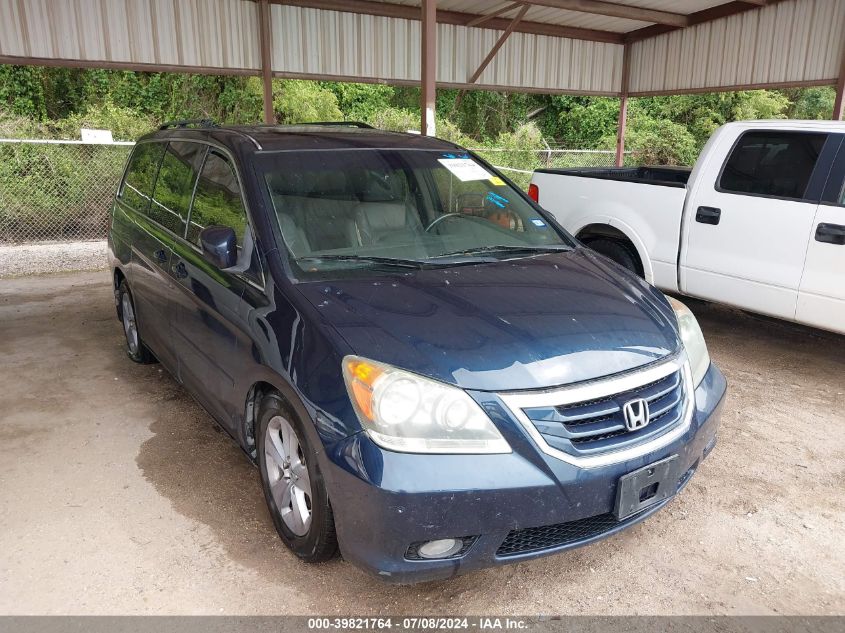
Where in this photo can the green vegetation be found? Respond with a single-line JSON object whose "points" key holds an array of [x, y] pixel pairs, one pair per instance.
{"points": [[56, 102]]}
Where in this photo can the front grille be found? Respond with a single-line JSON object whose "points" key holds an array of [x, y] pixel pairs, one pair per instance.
{"points": [[535, 539], [547, 536], [597, 426]]}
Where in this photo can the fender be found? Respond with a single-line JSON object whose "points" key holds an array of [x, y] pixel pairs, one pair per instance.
{"points": [[581, 222], [321, 438]]}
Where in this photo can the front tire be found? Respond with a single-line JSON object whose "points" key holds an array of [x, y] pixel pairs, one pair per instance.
{"points": [[293, 485], [135, 347]]}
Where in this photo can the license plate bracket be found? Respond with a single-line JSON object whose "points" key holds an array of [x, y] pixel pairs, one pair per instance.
{"points": [[646, 486]]}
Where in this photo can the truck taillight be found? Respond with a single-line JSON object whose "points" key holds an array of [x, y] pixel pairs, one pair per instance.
{"points": [[534, 192]]}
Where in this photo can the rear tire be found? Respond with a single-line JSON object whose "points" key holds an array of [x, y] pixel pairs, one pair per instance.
{"points": [[135, 347], [623, 254], [293, 486]]}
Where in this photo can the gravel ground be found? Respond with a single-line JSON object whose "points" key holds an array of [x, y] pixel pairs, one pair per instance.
{"points": [[118, 494], [51, 257]]}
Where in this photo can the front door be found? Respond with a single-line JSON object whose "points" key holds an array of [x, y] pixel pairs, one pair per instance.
{"points": [[208, 326], [746, 237]]}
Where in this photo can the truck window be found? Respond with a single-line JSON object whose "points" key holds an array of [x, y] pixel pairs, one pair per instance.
{"points": [[175, 184], [137, 187], [775, 164]]}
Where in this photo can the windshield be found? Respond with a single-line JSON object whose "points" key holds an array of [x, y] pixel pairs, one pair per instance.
{"points": [[354, 209]]}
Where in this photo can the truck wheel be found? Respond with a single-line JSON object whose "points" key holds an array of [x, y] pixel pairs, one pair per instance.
{"points": [[621, 253], [293, 485]]}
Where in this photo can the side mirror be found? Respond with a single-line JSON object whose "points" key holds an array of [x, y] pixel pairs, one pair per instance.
{"points": [[220, 245]]}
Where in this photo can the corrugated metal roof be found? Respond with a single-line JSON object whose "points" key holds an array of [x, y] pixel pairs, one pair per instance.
{"points": [[328, 43], [551, 15], [792, 41], [675, 6], [212, 33], [789, 42]]}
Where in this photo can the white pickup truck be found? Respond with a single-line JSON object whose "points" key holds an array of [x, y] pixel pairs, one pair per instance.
{"points": [[758, 223]]}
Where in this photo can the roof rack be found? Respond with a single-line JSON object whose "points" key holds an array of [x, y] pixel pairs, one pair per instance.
{"points": [[359, 124], [182, 123]]}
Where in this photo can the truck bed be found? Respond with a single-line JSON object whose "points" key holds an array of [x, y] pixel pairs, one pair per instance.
{"points": [[650, 175], [650, 198]]}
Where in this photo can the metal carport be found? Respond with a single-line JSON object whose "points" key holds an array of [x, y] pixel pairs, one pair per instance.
{"points": [[590, 47]]}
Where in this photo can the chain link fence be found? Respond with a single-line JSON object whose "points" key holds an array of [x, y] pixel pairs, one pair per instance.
{"points": [[62, 190], [57, 190]]}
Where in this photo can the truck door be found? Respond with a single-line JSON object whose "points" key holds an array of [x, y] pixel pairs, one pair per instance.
{"points": [[821, 296], [746, 235]]}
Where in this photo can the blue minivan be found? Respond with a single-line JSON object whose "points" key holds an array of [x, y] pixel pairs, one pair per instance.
{"points": [[430, 373]]}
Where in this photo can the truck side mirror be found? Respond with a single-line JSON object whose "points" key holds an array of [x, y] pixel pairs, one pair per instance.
{"points": [[220, 245]]}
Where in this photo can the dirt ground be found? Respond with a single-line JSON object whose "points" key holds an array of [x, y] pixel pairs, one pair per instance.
{"points": [[118, 494]]}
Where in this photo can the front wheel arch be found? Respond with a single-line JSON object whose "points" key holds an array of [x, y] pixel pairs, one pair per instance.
{"points": [[598, 233]]}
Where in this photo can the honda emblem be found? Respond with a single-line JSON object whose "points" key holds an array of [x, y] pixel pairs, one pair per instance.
{"points": [[636, 414]]}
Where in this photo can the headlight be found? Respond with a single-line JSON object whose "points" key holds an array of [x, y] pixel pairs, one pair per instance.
{"points": [[405, 412], [693, 341]]}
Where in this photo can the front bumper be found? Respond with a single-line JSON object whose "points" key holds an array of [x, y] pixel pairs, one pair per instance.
{"points": [[384, 501]]}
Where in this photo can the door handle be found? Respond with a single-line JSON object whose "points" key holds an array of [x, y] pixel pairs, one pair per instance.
{"points": [[180, 270], [830, 234], [161, 255], [708, 215]]}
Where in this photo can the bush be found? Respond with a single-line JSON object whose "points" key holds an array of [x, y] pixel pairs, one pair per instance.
{"points": [[657, 142], [125, 124], [304, 102], [395, 120], [14, 126]]}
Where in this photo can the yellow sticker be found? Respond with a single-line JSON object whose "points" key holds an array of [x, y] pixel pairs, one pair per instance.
{"points": [[497, 181]]}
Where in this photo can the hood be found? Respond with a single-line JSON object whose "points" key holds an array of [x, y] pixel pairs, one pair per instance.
{"points": [[520, 324]]}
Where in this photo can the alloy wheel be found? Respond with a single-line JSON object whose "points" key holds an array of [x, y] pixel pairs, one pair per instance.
{"points": [[130, 327], [287, 474]]}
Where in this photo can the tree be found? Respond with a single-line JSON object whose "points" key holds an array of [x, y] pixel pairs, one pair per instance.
{"points": [[811, 103]]}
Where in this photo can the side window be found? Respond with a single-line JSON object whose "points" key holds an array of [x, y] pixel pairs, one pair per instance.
{"points": [[772, 164], [137, 188], [217, 199], [175, 184]]}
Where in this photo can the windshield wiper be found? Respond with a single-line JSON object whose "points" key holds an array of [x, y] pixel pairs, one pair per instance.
{"points": [[390, 261], [510, 248]]}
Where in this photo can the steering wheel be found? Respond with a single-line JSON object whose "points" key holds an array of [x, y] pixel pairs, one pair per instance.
{"points": [[437, 221]]}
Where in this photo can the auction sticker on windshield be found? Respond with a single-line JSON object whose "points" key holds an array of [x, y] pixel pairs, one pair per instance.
{"points": [[465, 169]]}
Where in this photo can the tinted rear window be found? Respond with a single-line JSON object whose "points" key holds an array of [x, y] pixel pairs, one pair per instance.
{"points": [[772, 164], [140, 176], [175, 185]]}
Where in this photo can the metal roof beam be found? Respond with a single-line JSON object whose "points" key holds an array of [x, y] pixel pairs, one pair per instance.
{"points": [[616, 10], [266, 44], [505, 35], [700, 17], [839, 101], [410, 12], [489, 16]]}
